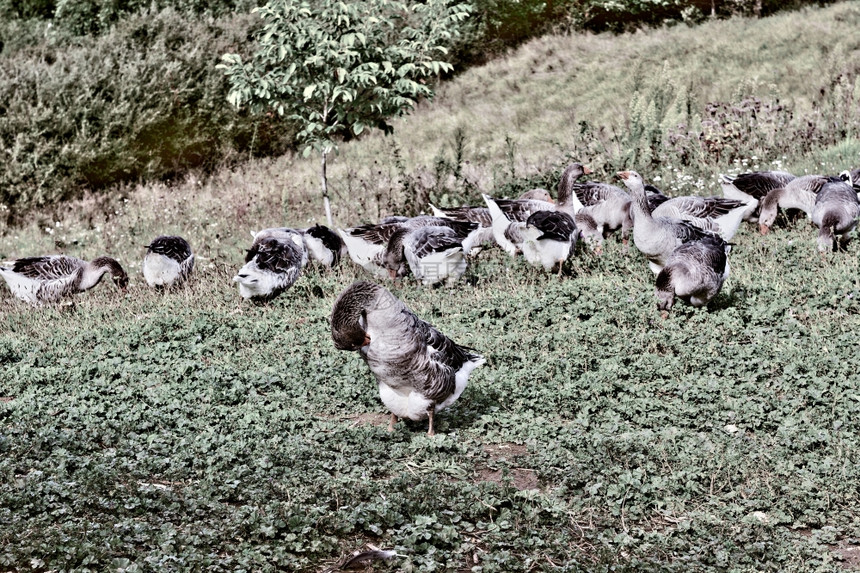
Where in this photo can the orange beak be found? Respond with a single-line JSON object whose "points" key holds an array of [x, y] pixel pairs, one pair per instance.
{"points": [[763, 229], [366, 340], [586, 171], [623, 174], [392, 274]]}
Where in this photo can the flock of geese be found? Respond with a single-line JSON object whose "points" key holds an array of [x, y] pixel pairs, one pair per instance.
{"points": [[420, 371]]}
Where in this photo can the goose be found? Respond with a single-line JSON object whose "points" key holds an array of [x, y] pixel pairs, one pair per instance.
{"points": [[323, 245], [547, 238], [366, 244], [507, 229], [799, 193], [599, 208], [39, 280], [168, 261], [694, 272], [420, 371], [272, 264], [656, 237], [433, 254], [518, 209], [835, 211], [752, 187], [715, 214]]}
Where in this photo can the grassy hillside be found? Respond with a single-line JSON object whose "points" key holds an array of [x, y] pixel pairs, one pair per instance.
{"points": [[190, 431]]}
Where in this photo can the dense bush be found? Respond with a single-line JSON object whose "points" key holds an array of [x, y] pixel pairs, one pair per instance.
{"points": [[142, 101]]}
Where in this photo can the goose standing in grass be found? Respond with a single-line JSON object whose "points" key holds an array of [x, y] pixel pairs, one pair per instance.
{"points": [[168, 261], [835, 212], [656, 237], [508, 230], [433, 254], [600, 208], [366, 244], [272, 264], [799, 193], [40, 280], [323, 245], [694, 272], [715, 214], [514, 209], [420, 371], [751, 188]]}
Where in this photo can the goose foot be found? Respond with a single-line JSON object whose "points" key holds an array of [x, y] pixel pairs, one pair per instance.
{"points": [[664, 314], [391, 423], [763, 229]]}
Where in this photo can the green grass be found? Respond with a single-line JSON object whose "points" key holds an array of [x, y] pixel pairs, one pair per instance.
{"points": [[191, 431]]}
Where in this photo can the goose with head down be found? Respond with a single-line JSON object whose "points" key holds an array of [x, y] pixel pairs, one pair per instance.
{"points": [[751, 188], [835, 211], [694, 272], [432, 254], [366, 244], [272, 264], [799, 193], [420, 371], [40, 280], [656, 237], [168, 261]]}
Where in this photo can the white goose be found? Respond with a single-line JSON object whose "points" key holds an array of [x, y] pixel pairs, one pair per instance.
{"points": [[433, 254], [168, 261], [694, 272], [835, 211], [656, 237], [272, 264], [40, 280], [420, 371]]}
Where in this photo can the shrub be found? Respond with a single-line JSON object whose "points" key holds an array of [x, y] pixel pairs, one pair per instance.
{"points": [[143, 101]]}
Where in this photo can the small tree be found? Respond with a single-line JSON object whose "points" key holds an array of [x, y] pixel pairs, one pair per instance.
{"points": [[338, 67]]}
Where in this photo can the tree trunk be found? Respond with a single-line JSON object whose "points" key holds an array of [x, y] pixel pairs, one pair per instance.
{"points": [[326, 202], [757, 9]]}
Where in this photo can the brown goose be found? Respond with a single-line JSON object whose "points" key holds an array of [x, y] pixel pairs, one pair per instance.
{"points": [[751, 188], [420, 371], [168, 261], [656, 237], [40, 280], [835, 211], [694, 272]]}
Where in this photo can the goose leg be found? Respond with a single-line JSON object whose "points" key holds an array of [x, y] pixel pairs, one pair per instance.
{"points": [[430, 431], [391, 423]]}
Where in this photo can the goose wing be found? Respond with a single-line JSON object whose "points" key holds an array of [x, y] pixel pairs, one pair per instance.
{"points": [[592, 192], [699, 207], [276, 256], [173, 247], [375, 234], [479, 215], [553, 225], [757, 184], [519, 210], [434, 240], [47, 268]]}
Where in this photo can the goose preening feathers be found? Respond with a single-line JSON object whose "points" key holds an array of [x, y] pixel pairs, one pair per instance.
{"points": [[420, 371], [694, 272], [272, 264], [656, 237], [366, 244], [433, 254], [751, 188], [39, 280], [168, 261], [835, 211]]}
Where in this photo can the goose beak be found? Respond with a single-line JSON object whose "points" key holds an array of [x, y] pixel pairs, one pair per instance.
{"points": [[763, 229], [586, 170], [623, 174], [392, 274], [366, 340]]}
